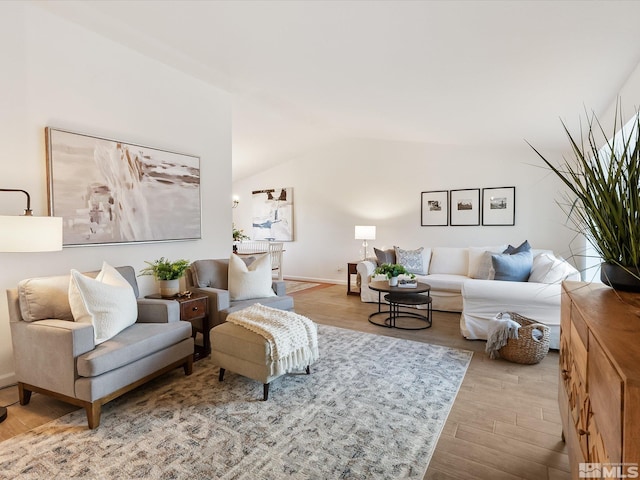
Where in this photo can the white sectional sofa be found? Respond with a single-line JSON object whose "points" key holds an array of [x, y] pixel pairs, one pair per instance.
{"points": [[460, 280]]}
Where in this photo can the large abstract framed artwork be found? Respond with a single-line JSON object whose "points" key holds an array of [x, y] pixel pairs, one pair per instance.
{"points": [[434, 209], [499, 206], [111, 192], [272, 215], [464, 206]]}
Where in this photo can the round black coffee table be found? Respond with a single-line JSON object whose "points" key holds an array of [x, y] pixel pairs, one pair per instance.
{"points": [[398, 297]]}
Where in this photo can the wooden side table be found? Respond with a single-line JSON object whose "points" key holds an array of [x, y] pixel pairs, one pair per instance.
{"points": [[351, 270], [193, 309]]}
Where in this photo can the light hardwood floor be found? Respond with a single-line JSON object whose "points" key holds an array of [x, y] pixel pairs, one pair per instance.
{"points": [[504, 423]]}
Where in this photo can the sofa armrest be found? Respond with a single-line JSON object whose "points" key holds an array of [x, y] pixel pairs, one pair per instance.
{"points": [[280, 288], [45, 352], [365, 269], [157, 310]]}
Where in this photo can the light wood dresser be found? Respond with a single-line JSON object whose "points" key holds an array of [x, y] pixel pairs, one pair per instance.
{"points": [[599, 390]]}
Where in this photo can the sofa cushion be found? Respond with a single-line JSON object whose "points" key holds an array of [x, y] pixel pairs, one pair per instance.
{"points": [[451, 260], [213, 273], [253, 281], [133, 343], [45, 297], [414, 261], [512, 267], [444, 282], [210, 273], [107, 302], [385, 256]]}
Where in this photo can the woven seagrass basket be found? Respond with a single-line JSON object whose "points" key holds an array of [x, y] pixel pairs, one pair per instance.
{"points": [[526, 349]]}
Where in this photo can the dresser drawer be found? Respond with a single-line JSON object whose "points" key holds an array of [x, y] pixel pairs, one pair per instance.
{"points": [[192, 309], [578, 355], [605, 392]]}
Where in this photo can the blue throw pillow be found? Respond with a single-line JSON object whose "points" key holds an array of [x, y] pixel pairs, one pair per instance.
{"points": [[523, 247], [514, 268]]}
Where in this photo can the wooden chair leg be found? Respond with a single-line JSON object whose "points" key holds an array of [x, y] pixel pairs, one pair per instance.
{"points": [[221, 375], [188, 366], [265, 392], [93, 414], [23, 394], [308, 369]]}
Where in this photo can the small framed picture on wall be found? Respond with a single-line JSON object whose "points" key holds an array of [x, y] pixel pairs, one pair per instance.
{"points": [[464, 207], [434, 210], [499, 206]]}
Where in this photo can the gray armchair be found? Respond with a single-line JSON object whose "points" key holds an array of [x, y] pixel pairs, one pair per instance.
{"points": [[211, 277], [58, 357]]}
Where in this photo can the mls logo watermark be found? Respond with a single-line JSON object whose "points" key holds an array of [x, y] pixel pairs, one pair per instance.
{"points": [[608, 470]]}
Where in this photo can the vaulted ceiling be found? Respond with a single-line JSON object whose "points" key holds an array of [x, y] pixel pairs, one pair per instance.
{"points": [[306, 73]]}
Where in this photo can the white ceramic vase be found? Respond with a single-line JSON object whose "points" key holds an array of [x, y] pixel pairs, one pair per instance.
{"points": [[393, 282], [169, 288]]}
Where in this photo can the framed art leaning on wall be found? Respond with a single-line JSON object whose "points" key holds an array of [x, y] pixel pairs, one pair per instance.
{"points": [[111, 192], [499, 206]]}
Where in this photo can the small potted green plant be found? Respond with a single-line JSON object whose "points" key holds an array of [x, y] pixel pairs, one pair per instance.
{"points": [[167, 273], [238, 236], [392, 271]]}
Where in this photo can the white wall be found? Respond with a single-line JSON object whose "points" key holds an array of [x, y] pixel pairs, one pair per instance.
{"points": [[368, 182], [56, 73]]}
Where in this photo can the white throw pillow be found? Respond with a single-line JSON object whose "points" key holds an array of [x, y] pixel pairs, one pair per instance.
{"points": [[547, 268], [485, 269], [479, 263], [108, 302], [541, 265], [249, 282]]}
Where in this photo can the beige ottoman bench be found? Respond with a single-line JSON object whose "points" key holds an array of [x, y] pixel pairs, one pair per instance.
{"points": [[242, 351]]}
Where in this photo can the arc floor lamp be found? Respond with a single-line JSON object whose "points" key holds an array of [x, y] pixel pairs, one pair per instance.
{"points": [[26, 233]]}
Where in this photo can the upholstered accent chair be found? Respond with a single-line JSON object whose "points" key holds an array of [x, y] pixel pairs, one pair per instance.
{"points": [[211, 277], [57, 356]]}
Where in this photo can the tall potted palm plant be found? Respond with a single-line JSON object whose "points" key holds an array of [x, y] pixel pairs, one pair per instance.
{"points": [[604, 199]]}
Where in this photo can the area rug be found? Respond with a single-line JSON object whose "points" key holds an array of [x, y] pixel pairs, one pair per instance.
{"points": [[372, 408], [292, 286]]}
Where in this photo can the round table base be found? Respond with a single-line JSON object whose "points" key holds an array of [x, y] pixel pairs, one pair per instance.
{"points": [[395, 312]]}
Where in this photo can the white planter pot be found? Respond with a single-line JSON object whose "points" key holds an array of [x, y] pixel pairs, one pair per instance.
{"points": [[393, 282], [169, 288]]}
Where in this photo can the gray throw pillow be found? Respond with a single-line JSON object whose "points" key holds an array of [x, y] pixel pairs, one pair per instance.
{"points": [[523, 247], [385, 256], [514, 268]]}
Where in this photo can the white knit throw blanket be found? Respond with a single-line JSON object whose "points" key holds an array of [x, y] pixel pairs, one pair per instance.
{"points": [[500, 330], [293, 338]]}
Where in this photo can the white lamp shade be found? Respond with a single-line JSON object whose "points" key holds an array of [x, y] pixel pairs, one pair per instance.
{"points": [[30, 234], [365, 232]]}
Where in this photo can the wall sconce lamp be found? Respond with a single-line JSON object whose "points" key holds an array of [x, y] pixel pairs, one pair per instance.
{"points": [[236, 201], [26, 233], [364, 233]]}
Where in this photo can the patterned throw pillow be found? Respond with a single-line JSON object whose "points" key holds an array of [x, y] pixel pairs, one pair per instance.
{"points": [[411, 260]]}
